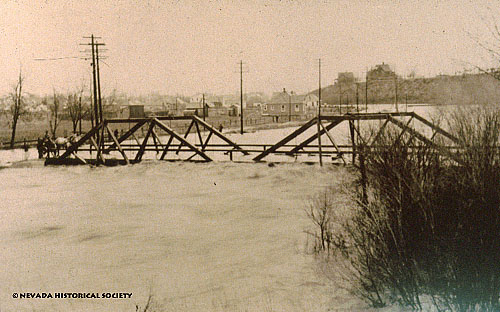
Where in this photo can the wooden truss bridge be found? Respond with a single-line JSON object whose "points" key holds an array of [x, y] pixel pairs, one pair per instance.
{"points": [[162, 140]]}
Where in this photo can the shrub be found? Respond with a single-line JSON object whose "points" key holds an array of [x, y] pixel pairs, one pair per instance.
{"points": [[427, 231]]}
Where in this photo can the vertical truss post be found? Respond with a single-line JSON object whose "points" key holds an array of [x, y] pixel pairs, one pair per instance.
{"points": [[353, 141], [100, 145]]}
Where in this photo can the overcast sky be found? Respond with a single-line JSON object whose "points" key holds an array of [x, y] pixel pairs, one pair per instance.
{"points": [[194, 46]]}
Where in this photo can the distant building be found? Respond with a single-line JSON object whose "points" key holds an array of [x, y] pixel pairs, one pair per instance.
{"points": [[380, 72], [136, 111], [346, 78], [285, 105], [311, 101]]}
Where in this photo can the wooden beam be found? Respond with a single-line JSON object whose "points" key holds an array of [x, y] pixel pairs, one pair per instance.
{"points": [[436, 128], [353, 141], [403, 131], [380, 131], [313, 137], [198, 131], [204, 145], [80, 142], [136, 139], [424, 139], [287, 139], [130, 120], [333, 143], [185, 135], [166, 148], [220, 135], [156, 140], [79, 158], [100, 145], [181, 139], [138, 156], [364, 116], [127, 134], [115, 140]]}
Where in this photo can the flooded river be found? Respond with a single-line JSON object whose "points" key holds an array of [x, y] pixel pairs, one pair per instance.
{"points": [[199, 237], [214, 236]]}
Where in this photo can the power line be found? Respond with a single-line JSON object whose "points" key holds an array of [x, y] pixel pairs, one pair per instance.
{"points": [[56, 58]]}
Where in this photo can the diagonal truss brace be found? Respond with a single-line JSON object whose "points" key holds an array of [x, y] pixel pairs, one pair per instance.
{"points": [[218, 134], [181, 139], [287, 139]]}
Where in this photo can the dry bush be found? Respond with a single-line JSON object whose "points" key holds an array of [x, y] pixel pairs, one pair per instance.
{"points": [[427, 234]]}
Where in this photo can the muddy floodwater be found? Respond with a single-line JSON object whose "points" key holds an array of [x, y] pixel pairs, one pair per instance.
{"points": [[198, 237], [217, 236]]}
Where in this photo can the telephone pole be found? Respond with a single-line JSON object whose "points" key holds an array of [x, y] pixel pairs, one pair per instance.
{"points": [[241, 95], [319, 113], [95, 76], [203, 106], [366, 91], [396, 90], [98, 83], [98, 118]]}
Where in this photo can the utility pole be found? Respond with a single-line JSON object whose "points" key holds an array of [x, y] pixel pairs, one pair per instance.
{"points": [[340, 97], [366, 91], [290, 106], [396, 91], [406, 101], [95, 77], [203, 106], [357, 97], [98, 83], [319, 113], [241, 95], [91, 106]]}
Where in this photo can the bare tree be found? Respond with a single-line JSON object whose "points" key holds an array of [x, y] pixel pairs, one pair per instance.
{"points": [[17, 106], [55, 109], [76, 109], [489, 41]]}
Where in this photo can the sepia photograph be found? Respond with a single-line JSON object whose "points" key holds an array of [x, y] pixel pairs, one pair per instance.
{"points": [[250, 155]]}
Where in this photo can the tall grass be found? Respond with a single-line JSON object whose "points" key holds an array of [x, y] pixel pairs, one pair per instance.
{"points": [[426, 233]]}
